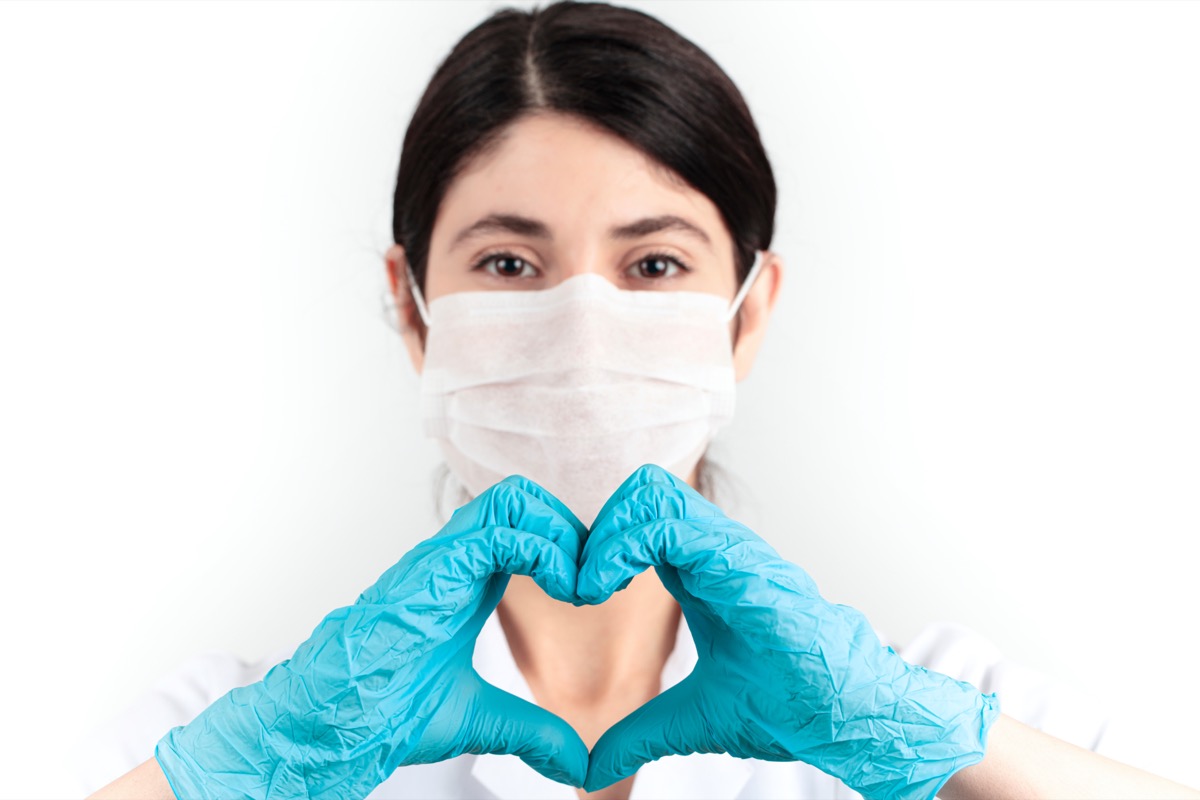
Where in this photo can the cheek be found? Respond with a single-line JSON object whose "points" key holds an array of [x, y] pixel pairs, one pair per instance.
{"points": [[718, 281]]}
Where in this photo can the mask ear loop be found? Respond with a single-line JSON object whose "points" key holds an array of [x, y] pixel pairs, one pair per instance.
{"points": [[746, 284], [416, 295], [391, 314]]}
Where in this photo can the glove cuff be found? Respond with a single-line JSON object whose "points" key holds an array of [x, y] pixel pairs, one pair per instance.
{"points": [[223, 753], [912, 764]]}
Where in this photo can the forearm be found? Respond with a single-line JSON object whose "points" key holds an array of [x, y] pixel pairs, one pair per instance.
{"points": [[1023, 763], [144, 782]]}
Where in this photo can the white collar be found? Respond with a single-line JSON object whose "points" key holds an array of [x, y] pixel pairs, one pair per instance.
{"points": [[708, 775]]}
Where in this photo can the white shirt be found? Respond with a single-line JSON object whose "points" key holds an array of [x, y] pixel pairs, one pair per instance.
{"points": [[953, 650]]}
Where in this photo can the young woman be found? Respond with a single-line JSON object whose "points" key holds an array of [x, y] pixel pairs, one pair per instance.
{"points": [[583, 217]]}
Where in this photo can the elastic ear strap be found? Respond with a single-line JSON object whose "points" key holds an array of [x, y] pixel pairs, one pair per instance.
{"points": [[746, 284], [390, 312], [416, 295]]}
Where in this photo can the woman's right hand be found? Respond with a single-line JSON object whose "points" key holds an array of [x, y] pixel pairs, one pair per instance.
{"points": [[388, 681]]}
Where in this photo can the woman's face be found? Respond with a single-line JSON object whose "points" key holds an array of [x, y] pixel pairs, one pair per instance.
{"points": [[558, 197]]}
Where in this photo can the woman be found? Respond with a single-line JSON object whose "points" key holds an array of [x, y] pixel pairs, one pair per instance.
{"points": [[582, 222]]}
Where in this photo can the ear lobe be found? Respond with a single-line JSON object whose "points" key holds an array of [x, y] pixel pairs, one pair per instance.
{"points": [[755, 313], [411, 328]]}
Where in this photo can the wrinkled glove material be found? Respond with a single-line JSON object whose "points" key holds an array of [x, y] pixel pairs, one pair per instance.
{"points": [[388, 681], [782, 674]]}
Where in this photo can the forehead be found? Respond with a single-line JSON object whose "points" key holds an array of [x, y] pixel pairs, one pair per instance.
{"points": [[544, 138], [570, 172]]}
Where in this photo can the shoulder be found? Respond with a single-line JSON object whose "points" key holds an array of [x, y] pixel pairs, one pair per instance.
{"points": [[128, 738], [1035, 698]]}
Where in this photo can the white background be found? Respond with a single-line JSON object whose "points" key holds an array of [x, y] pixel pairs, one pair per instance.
{"points": [[977, 401]]}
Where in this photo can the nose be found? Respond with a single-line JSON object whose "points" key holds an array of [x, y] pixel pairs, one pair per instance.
{"points": [[571, 265]]}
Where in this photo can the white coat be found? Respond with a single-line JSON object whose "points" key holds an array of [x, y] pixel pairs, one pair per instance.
{"points": [[953, 650]]}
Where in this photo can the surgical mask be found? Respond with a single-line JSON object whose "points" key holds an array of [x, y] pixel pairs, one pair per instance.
{"points": [[576, 386]]}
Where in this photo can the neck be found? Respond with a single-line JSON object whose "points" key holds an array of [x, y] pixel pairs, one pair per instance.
{"points": [[592, 665], [587, 656]]}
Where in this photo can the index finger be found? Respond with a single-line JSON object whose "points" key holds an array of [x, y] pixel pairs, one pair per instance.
{"points": [[643, 475], [571, 544], [648, 494], [517, 502], [716, 559]]}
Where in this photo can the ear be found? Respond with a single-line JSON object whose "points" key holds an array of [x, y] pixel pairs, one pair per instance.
{"points": [[755, 312], [411, 328]]}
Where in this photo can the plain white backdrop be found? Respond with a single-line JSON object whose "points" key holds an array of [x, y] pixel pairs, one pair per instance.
{"points": [[977, 401]]}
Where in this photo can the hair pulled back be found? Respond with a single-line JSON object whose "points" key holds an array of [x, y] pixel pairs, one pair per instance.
{"points": [[619, 68]]}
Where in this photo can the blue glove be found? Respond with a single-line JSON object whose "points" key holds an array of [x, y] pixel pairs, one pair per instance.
{"points": [[388, 681], [782, 674]]}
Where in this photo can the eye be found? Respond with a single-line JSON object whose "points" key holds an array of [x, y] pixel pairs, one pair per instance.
{"points": [[506, 265], [658, 266]]}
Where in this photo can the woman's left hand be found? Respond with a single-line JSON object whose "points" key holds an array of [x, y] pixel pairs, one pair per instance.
{"points": [[782, 674]]}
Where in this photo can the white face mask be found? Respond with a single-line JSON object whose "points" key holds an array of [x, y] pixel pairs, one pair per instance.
{"points": [[576, 386]]}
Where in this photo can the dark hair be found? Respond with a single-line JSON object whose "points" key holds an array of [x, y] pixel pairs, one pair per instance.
{"points": [[616, 67]]}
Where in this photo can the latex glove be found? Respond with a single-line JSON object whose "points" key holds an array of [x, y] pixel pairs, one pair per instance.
{"points": [[388, 681], [782, 674]]}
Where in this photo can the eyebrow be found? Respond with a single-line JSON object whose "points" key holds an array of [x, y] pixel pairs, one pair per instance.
{"points": [[536, 229]]}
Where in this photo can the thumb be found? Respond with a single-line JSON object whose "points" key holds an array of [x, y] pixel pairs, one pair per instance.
{"points": [[508, 725], [670, 724]]}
